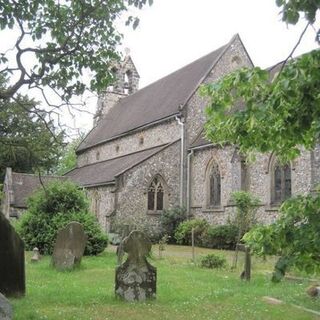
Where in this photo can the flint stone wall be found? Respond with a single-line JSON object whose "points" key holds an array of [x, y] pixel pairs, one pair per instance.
{"points": [[132, 195], [102, 204], [259, 183], [156, 135], [234, 58]]}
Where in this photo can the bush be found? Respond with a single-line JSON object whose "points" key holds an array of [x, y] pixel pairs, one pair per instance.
{"points": [[294, 236], [220, 237], [183, 232], [170, 220], [213, 261], [53, 208]]}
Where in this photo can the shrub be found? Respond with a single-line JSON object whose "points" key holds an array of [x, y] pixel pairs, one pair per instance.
{"points": [[170, 220], [53, 208], [213, 261], [183, 232], [220, 237], [294, 236]]}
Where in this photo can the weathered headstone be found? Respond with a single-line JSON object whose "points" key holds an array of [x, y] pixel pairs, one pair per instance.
{"points": [[136, 279], [12, 271], [69, 247], [5, 308], [246, 273], [36, 255]]}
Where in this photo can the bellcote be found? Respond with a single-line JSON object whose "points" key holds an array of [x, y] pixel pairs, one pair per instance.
{"points": [[126, 82]]}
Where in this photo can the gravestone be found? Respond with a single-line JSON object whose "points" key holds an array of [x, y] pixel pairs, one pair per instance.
{"points": [[12, 271], [36, 255], [69, 247], [5, 308], [136, 279], [246, 273]]}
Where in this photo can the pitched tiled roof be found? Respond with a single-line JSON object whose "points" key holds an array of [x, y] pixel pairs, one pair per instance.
{"points": [[157, 101], [104, 172], [23, 185]]}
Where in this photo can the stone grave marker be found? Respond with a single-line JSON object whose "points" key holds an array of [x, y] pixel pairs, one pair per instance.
{"points": [[36, 255], [136, 278], [69, 247], [12, 269], [246, 273], [5, 308]]}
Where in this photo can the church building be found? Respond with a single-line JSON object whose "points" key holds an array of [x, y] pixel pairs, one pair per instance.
{"points": [[147, 151]]}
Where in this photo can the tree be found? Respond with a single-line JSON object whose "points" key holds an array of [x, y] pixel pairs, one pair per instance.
{"points": [[68, 160], [282, 105], [27, 144], [294, 237], [62, 39], [247, 206]]}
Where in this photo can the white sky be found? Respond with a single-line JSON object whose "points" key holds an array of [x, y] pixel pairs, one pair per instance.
{"points": [[173, 33]]}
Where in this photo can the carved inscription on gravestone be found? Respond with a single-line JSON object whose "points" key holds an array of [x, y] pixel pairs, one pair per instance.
{"points": [[69, 247], [136, 278], [12, 270]]}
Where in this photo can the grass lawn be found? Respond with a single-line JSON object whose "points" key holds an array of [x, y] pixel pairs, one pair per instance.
{"points": [[184, 291]]}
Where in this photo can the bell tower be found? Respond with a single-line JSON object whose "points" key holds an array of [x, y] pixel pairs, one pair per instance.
{"points": [[126, 82]]}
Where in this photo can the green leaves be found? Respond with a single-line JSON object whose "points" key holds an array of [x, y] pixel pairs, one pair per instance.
{"points": [[262, 111], [79, 35], [295, 236], [25, 137]]}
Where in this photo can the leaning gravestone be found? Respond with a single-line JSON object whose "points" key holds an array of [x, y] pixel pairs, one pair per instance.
{"points": [[12, 272], [5, 308], [69, 247], [136, 279]]}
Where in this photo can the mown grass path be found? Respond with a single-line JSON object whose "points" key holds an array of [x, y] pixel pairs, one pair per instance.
{"points": [[185, 291]]}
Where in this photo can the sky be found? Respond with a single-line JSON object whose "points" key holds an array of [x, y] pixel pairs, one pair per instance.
{"points": [[173, 33]]}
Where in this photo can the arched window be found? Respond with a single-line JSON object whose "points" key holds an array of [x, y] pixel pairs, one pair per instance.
{"points": [[156, 195], [214, 186], [128, 82], [281, 183]]}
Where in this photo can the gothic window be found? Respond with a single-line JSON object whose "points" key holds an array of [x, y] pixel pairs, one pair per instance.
{"points": [[214, 194], [156, 195], [281, 183]]}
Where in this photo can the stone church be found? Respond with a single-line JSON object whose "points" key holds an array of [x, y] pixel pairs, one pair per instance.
{"points": [[147, 151]]}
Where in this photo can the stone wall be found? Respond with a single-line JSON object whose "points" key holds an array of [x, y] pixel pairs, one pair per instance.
{"points": [[102, 204], [234, 58], [200, 163], [259, 182], [132, 193], [156, 135]]}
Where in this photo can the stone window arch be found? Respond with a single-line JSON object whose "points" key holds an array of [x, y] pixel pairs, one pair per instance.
{"points": [[213, 185], [281, 184], [157, 195]]}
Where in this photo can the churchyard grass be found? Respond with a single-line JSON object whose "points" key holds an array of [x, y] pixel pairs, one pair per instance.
{"points": [[184, 291]]}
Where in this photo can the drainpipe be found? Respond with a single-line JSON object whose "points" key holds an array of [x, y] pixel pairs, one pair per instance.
{"points": [[180, 120], [190, 154]]}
